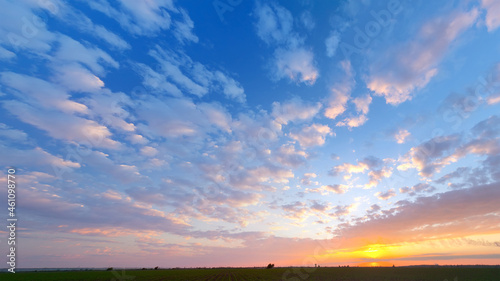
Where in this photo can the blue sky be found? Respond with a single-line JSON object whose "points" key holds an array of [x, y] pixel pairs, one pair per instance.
{"points": [[188, 133]]}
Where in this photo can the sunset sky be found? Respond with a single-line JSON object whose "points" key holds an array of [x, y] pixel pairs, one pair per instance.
{"points": [[241, 133]]}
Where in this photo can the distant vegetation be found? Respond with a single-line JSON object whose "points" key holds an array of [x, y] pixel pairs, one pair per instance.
{"points": [[279, 273]]}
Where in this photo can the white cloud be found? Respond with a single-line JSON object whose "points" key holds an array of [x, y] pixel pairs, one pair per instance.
{"points": [[296, 64], [401, 135], [313, 135], [341, 92], [183, 30], [306, 179], [41, 93], [63, 126], [336, 188], [307, 20], [274, 23], [410, 66], [110, 108], [174, 118], [332, 43], [291, 58], [293, 110], [138, 17], [179, 75], [378, 175], [149, 151], [260, 177], [492, 8], [385, 195], [353, 122], [362, 104], [230, 87], [83, 23], [216, 115], [362, 107], [287, 155], [13, 134], [418, 188], [6, 54], [71, 50], [349, 169], [77, 78], [426, 157], [22, 29], [36, 157], [137, 139]]}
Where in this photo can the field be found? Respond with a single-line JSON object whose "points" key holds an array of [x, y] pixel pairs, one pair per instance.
{"points": [[291, 274]]}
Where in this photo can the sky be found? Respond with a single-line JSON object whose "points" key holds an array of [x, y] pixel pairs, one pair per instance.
{"points": [[241, 133]]}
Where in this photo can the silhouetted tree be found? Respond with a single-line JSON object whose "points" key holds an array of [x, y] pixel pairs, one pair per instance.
{"points": [[109, 269], [156, 268], [271, 265]]}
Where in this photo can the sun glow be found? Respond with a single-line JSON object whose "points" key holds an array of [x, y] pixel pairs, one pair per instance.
{"points": [[374, 252]]}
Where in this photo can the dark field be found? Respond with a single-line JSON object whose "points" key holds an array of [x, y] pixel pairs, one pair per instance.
{"points": [[295, 274]]}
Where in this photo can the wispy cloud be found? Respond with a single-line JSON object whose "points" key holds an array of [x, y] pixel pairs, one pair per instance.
{"points": [[408, 67]]}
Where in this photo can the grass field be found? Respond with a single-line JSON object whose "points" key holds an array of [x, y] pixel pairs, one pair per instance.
{"points": [[295, 274]]}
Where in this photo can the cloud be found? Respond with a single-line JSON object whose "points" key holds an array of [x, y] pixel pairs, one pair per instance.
{"points": [[6, 54], [63, 126], [306, 179], [426, 157], [349, 169], [35, 157], [362, 104], [183, 118], [143, 18], [79, 20], [341, 92], [332, 43], [149, 151], [376, 167], [274, 23], [183, 30], [23, 29], [41, 93], [492, 8], [430, 218], [291, 59], [313, 135], [385, 195], [352, 122], [410, 66], [259, 177], [13, 134], [418, 188], [431, 156], [287, 155], [187, 77], [294, 110], [307, 20], [76, 78], [336, 188], [296, 64], [71, 50], [378, 175], [401, 135]]}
